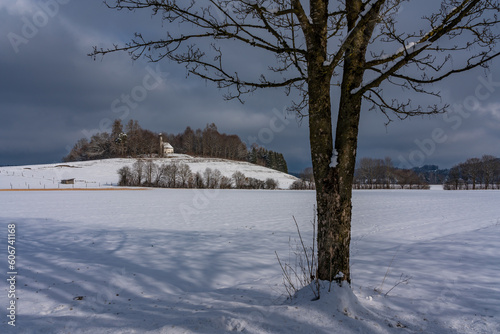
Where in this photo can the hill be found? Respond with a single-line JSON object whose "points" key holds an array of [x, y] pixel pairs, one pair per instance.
{"points": [[103, 173], [134, 141]]}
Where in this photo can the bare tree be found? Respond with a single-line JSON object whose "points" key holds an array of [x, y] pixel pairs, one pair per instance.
{"points": [[271, 184], [148, 144], [490, 168], [79, 151], [99, 146], [133, 137], [374, 173], [497, 177], [369, 171], [225, 182], [212, 178], [388, 172], [406, 177], [356, 44], [239, 180], [150, 171], [185, 175], [253, 183], [471, 170], [454, 179], [299, 185], [207, 177], [170, 177], [126, 176], [188, 141], [198, 181], [307, 175], [210, 141], [158, 175], [138, 171]]}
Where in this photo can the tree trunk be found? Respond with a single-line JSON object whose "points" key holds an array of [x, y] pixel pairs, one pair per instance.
{"points": [[334, 177], [333, 181], [332, 257]]}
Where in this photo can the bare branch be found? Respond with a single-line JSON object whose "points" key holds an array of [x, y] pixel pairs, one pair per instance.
{"points": [[409, 52], [283, 28]]}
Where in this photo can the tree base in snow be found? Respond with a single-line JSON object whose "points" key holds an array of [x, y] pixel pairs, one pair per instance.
{"points": [[339, 302]]}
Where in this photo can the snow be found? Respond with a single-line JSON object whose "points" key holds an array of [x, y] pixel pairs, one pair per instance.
{"points": [[103, 173], [368, 6], [333, 160], [410, 48], [128, 262], [413, 46]]}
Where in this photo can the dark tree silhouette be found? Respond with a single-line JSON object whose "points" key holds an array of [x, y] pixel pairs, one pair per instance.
{"points": [[475, 173]]}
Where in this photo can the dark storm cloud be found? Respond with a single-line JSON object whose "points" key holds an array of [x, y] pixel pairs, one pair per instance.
{"points": [[52, 94]]}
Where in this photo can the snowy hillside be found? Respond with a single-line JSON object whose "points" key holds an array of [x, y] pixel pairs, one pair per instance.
{"points": [[103, 173]]}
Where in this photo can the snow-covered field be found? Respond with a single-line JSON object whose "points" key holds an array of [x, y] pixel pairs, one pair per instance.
{"points": [[103, 173], [198, 261]]}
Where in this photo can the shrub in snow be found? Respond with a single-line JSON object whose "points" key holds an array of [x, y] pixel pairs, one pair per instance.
{"points": [[179, 175]]}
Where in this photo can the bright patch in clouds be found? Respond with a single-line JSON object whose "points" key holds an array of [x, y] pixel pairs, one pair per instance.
{"points": [[18, 7]]}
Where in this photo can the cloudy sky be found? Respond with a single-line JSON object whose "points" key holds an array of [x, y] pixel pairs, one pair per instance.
{"points": [[52, 94]]}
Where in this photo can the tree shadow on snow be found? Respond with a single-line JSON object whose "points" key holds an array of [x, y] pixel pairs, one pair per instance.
{"points": [[76, 280], [453, 286]]}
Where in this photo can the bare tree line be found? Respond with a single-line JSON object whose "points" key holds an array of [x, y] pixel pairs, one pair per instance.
{"points": [[210, 143], [134, 141], [371, 174], [147, 173], [305, 181], [381, 174], [474, 174]]}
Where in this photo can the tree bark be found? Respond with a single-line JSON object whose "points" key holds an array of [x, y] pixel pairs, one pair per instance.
{"points": [[326, 178], [334, 177], [333, 181]]}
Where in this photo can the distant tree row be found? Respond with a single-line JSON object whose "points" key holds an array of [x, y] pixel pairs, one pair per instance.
{"points": [[475, 173], [210, 143], [147, 173], [261, 156], [134, 141], [381, 174], [305, 181], [372, 174], [432, 174]]}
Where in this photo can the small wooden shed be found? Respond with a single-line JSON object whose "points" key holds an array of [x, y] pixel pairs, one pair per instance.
{"points": [[68, 181]]}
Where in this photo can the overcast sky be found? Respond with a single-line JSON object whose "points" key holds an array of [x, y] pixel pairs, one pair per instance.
{"points": [[52, 94]]}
